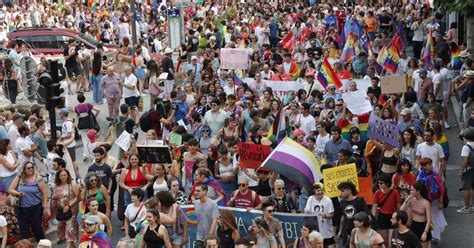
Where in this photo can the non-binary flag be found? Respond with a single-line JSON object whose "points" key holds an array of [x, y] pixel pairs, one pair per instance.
{"points": [[326, 75]]}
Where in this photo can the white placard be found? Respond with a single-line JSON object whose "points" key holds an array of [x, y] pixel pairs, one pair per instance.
{"points": [[234, 58], [123, 141], [280, 88], [357, 102]]}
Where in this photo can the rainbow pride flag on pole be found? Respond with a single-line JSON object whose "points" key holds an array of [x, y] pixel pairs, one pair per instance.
{"points": [[351, 49], [428, 51], [294, 161], [326, 75], [389, 55], [456, 62]]}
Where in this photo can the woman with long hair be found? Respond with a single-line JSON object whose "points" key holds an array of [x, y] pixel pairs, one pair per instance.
{"points": [[177, 194], [191, 95], [155, 233], [265, 239], [33, 199], [178, 228], [8, 165], [133, 176], [201, 106], [408, 144], [418, 207], [230, 132], [64, 200], [441, 138], [94, 188], [226, 172], [140, 68], [11, 86], [153, 83], [404, 179], [362, 235], [227, 231], [97, 74], [436, 189]]}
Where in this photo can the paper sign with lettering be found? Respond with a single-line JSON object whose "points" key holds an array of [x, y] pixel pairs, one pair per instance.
{"points": [[383, 130], [365, 190], [234, 58], [176, 139], [362, 84], [357, 102], [336, 175], [252, 155], [394, 84], [280, 88], [291, 224], [154, 154], [123, 141]]}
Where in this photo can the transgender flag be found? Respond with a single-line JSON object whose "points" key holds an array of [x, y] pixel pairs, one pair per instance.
{"points": [[294, 161]]}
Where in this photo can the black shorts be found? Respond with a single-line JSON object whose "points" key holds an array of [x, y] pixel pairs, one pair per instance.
{"points": [[418, 228], [329, 241], [384, 222], [72, 153], [73, 71], [467, 180]]}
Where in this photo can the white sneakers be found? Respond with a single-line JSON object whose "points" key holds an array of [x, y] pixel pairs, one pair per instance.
{"points": [[464, 210], [446, 125]]}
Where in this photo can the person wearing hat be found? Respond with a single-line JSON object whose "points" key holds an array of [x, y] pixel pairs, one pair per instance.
{"points": [[168, 67], [467, 169], [93, 237], [45, 243], [332, 93], [407, 121], [320, 205], [196, 67], [360, 64], [467, 95], [425, 86]]}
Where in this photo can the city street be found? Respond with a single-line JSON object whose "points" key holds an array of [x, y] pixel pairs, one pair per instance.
{"points": [[458, 233]]}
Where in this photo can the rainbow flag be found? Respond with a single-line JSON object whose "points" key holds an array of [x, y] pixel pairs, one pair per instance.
{"points": [[456, 62], [93, 5], [443, 141], [294, 161], [351, 49], [428, 51], [81, 212], [294, 71], [237, 80], [326, 75], [389, 55], [278, 128], [99, 239]]}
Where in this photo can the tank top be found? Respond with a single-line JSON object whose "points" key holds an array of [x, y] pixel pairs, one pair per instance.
{"points": [[137, 182], [98, 195], [32, 194], [366, 243], [226, 137], [263, 188], [152, 239], [225, 237], [160, 187], [389, 164], [190, 100], [225, 170]]}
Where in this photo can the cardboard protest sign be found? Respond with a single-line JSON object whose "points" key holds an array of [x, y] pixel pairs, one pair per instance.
{"points": [[252, 155], [154, 154], [393, 84], [365, 189], [383, 130], [234, 58], [357, 102], [176, 139], [336, 175]]}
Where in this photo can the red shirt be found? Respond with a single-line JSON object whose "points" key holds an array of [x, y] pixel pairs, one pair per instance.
{"points": [[390, 204], [245, 201]]}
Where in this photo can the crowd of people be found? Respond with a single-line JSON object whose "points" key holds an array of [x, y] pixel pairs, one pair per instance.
{"points": [[211, 110]]}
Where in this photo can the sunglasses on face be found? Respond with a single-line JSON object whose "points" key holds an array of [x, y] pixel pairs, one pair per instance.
{"points": [[29, 167], [242, 185], [93, 180], [280, 188], [270, 211]]}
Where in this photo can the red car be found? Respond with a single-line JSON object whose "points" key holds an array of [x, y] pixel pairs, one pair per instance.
{"points": [[52, 41]]}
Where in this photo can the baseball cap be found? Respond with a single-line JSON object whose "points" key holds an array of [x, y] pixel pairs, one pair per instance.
{"points": [[64, 111], [45, 243], [405, 111], [194, 57], [92, 219]]}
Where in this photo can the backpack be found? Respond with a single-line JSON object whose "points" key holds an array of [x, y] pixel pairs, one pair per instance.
{"points": [[470, 157], [120, 126], [145, 121]]}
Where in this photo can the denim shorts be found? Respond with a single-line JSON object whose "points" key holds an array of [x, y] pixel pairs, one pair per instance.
{"points": [[176, 239]]}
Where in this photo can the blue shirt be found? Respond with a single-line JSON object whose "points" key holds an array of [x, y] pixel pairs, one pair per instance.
{"points": [[32, 194], [360, 67], [3, 133], [404, 125], [332, 148], [182, 109], [273, 29]]}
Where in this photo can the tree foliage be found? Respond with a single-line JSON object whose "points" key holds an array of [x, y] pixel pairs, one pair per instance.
{"points": [[463, 7]]}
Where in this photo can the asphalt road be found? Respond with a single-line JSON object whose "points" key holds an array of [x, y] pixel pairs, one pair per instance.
{"points": [[458, 233]]}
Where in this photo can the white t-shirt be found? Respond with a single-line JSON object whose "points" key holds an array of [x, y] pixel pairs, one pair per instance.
{"points": [[315, 206], [434, 152], [308, 124], [23, 144], [321, 143], [267, 75], [466, 150], [67, 128], [4, 172], [439, 81], [13, 135], [131, 211], [3, 223], [130, 80]]}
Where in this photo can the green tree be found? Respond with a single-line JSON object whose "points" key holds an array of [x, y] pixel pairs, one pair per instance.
{"points": [[464, 8]]}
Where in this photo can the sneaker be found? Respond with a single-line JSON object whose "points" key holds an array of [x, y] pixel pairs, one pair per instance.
{"points": [[464, 210], [446, 125], [472, 208]]}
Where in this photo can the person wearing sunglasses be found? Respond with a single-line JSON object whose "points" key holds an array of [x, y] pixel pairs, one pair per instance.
{"points": [[274, 225], [265, 237], [281, 200], [244, 197]]}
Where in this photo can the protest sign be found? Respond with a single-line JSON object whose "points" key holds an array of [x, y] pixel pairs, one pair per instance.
{"points": [[365, 189], [176, 139], [393, 84], [234, 58], [383, 130], [334, 176], [291, 224], [123, 141], [280, 88], [252, 155], [362, 84], [357, 102], [154, 154]]}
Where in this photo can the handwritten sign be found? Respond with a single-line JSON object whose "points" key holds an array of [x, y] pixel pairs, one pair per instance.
{"points": [[176, 139], [365, 189], [154, 154], [357, 102], [252, 155], [234, 58], [334, 176], [362, 84], [383, 130], [280, 88], [394, 84], [123, 141]]}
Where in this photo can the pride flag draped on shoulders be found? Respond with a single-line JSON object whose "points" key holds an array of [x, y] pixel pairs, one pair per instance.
{"points": [[296, 162]]}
